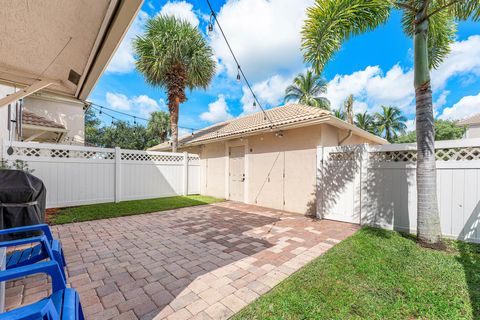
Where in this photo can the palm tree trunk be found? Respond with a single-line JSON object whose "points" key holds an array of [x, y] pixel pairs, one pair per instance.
{"points": [[173, 108], [428, 219]]}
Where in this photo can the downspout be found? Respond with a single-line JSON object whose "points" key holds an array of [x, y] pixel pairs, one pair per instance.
{"points": [[349, 135]]}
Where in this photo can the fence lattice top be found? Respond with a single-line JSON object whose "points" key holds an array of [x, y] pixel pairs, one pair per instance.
{"points": [[46, 151], [443, 154], [62, 153]]}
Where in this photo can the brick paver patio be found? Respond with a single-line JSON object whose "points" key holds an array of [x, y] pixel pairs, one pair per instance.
{"points": [[204, 262]]}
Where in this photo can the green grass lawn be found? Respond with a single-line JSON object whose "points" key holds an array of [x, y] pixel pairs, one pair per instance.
{"points": [[126, 208], [378, 274]]}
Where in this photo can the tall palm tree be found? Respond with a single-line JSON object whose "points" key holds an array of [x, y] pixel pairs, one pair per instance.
{"points": [[306, 89], [174, 55], [348, 107], [390, 122], [366, 122], [158, 126], [432, 25]]}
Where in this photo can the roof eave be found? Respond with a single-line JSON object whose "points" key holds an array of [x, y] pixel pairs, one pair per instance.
{"points": [[123, 17]]}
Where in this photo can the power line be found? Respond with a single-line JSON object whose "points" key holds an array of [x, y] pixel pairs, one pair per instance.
{"points": [[100, 108], [240, 71]]}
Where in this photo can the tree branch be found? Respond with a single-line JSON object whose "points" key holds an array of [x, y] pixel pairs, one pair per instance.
{"points": [[406, 6], [442, 8], [425, 8]]}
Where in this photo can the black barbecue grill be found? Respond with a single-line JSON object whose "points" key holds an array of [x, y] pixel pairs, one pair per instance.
{"points": [[22, 201]]}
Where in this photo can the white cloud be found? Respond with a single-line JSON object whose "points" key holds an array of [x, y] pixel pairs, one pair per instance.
{"points": [[372, 88], [410, 125], [123, 60], [180, 10], [269, 92], [217, 111], [466, 107], [463, 60], [440, 102], [142, 105], [264, 34]]}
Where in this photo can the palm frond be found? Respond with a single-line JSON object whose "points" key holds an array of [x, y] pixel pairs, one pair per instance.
{"points": [[330, 22]]}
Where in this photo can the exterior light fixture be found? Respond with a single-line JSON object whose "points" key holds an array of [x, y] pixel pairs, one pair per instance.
{"points": [[238, 73], [210, 23]]}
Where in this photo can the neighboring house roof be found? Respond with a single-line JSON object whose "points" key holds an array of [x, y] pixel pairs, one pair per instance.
{"points": [[280, 118], [63, 44], [32, 119], [475, 119]]}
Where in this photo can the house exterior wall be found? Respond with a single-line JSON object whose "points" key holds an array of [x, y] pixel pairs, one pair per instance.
{"points": [[280, 171], [67, 112], [473, 131], [4, 91]]}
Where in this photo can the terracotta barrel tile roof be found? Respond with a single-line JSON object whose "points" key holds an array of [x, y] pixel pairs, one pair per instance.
{"points": [[35, 120], [279, 116]]}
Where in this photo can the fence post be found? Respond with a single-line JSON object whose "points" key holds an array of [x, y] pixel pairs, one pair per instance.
{"points": [[319, 182], [118, 175], [185, 174]]}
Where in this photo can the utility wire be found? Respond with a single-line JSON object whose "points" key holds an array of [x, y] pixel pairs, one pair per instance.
{"points": [[100, 108], [238, 65]]}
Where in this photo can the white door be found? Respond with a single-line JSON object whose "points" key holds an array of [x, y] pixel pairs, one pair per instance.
{"points": [[237, 173], [339, 184]]}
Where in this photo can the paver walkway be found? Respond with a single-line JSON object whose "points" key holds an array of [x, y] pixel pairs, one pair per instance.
{"points": [[204, 262]]}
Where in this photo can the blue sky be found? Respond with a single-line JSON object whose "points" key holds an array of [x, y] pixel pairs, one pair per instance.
{"points": [[265, 35]]}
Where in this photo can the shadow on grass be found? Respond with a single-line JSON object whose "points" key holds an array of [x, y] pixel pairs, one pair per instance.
{"points": [[469, 257]]}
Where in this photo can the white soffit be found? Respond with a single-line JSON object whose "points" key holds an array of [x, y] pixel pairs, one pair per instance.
{"points": [[34, 32]]}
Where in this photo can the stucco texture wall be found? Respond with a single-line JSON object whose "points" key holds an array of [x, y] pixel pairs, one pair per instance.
{"points": [[69, 114], [280, 171]]}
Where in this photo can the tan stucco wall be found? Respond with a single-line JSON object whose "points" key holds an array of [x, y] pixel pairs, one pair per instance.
{"points": [[67, 112], [280, 171]]}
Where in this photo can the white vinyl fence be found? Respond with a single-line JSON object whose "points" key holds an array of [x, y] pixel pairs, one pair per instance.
{"points": [[77, 175], [376, 185]]}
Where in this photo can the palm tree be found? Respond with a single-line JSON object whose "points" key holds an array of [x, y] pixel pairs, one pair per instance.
{"points": [[366, 122], [431, 24], [306, 89], [340, 114], [390, 122], [348, 107], [158, 127], [174, 55]]}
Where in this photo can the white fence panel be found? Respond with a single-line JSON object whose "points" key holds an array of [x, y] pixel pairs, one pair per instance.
{"points": [[388, 187], [76, 175]]}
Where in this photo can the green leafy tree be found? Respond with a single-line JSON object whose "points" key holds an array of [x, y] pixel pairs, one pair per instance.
{"points": [[390, 122], [366, 122], [125, 135], [444, 130], [306, 89], [174, 55], [432, 25], [93, 130], [158, 128]]}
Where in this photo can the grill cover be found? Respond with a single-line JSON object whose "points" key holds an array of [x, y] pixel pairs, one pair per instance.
{"points": [[22, 201]]}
